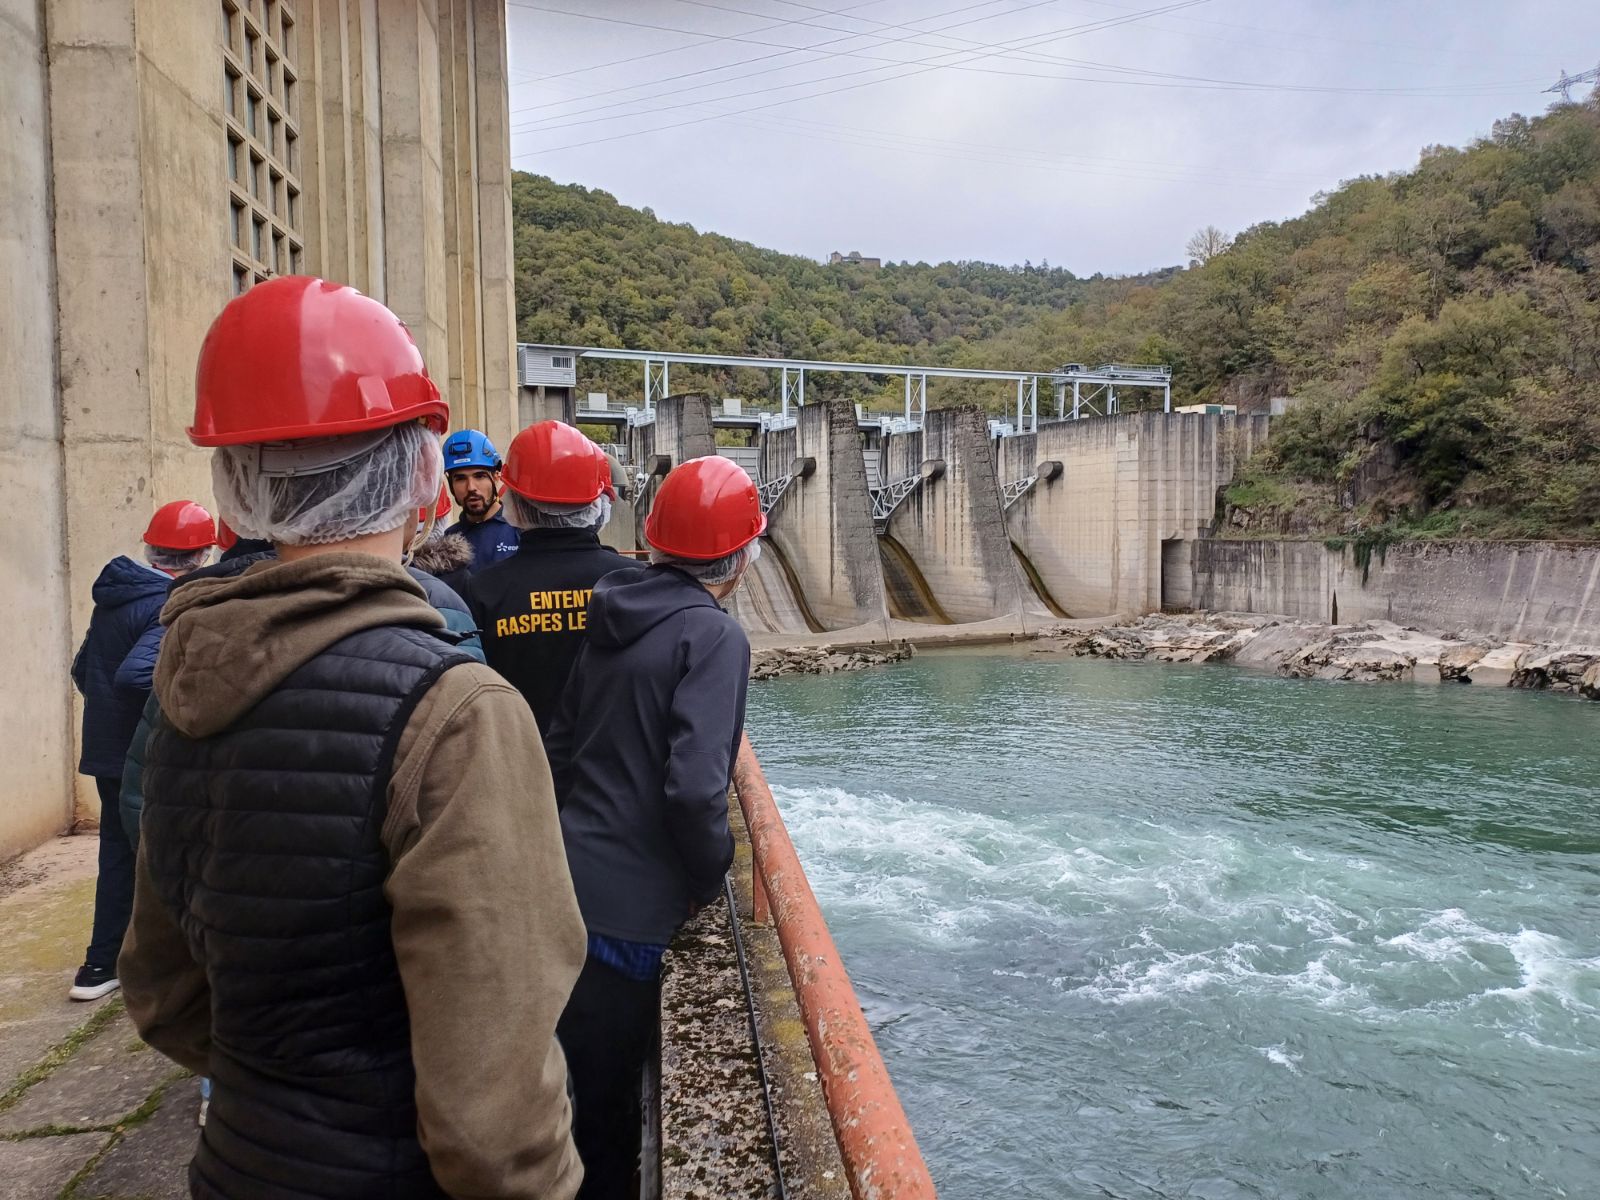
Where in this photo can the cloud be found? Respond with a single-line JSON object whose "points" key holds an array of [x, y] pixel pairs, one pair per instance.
{"points": [[1083, 150]]}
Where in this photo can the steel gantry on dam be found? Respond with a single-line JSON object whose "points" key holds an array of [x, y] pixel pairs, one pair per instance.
{"points": [[1079, 390]]}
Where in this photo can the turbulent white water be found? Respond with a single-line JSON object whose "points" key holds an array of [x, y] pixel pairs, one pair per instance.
{"points": [[1137, 931]]}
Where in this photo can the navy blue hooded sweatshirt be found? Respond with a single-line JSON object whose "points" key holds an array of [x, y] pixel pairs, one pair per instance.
{"points": [[642, 753], [127, 600]]}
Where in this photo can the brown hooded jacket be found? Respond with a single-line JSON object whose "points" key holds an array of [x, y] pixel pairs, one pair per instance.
{"points": [[486, 930]]}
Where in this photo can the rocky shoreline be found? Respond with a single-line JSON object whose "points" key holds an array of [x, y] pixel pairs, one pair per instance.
{"points": [[1368, 651], [825, 660]]}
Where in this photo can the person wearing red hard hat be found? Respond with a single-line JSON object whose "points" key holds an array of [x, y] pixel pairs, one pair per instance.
{"points": [[532, 608], [643, 752], [127, 601], [329, 788]]}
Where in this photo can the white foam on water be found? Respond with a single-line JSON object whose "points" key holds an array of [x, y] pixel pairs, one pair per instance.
{"points": [[1281, 1056], [954, 870], [1545, 965], [1233, 969]]}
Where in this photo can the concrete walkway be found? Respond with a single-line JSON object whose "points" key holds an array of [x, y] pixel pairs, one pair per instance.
{"points": [[87, 1111]]}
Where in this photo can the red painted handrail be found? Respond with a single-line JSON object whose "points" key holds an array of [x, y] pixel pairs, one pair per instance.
{"points": [[875, 1139]]}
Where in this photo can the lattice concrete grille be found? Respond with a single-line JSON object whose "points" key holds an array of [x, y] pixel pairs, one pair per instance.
{"points": [[261, 85]]}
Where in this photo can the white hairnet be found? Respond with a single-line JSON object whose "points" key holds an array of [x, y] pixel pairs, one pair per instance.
{"points": [[535, 514], [176, 562], [316, 491], [716, 570]]}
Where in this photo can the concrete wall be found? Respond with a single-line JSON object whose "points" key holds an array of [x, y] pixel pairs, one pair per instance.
{"points": [[115, 244], [33, 579], [1128, 483], [1526, 591], [952, 529], [822, 526]]}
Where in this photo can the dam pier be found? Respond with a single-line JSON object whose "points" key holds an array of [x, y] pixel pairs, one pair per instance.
{"points": [[945, 519]]}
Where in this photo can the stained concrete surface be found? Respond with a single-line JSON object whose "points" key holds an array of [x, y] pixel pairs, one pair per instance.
{"points": [[45, 1166], [152, 1160], [86, 1109]]}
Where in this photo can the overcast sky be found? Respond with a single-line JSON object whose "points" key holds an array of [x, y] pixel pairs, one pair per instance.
{"points": [[1095, 134]]}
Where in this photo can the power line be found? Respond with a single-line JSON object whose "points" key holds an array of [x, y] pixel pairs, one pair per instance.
{"points": [[1128, 76], [701, 38], [828, 92], [782, 49], [815, 47]]}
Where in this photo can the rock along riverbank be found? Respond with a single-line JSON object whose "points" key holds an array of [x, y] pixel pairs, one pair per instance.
{"points": [[1367, 651]]}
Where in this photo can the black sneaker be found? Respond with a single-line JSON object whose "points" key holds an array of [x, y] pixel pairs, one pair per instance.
{"points": [[92, 983]]}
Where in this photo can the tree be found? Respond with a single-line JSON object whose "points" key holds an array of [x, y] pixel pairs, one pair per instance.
{"points": [[1206, 245]]}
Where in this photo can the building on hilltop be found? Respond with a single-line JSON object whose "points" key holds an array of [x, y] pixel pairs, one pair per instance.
{"points": [[159, 156], [854, 258]]}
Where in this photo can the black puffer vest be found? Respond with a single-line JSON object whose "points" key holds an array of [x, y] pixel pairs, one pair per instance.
{"points": [[265, 841]]}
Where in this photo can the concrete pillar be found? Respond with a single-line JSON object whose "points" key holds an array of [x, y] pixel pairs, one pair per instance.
{"points": [[183, 182], [952, 529], [682, 430], [496, 254], [341, 143], [413, 177], [822, 527], [36, 704], [458, 152]]}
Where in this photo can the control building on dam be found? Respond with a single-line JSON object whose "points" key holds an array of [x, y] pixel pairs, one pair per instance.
{"points": [[882, 528]]}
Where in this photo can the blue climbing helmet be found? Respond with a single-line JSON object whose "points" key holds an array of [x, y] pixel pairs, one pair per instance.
{"points": [[469, 448]]}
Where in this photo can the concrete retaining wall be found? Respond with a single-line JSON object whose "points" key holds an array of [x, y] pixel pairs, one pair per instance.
{"points": [[1128, 483], [953, 529], [823, 523], [1523, 591], [35, 704]]}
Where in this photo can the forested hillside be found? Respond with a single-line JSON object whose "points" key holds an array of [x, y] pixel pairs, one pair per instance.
{"points": [[1438, 329], [591, 271]]}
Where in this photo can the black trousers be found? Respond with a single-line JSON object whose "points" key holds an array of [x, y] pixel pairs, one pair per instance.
{"points": [[113, 890], [607, 1033]]}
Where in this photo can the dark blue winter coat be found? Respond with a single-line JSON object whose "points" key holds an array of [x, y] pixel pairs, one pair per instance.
{"points": [[642, 753], [127, 600]]}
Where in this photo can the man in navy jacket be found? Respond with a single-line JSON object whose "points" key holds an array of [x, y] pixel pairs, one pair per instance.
{"points": [[472, 465], [128, 597], [642, 754]]}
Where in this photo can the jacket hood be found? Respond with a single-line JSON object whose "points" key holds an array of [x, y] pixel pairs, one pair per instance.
{"points": [[232, 639], [630, 602], [122, 581], [443, 554]]}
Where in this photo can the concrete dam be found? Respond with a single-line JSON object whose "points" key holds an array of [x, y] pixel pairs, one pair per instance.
{"points": [[876, 533]]}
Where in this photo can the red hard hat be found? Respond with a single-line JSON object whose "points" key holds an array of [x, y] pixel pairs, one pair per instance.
{"points": [[227, 539], [553, 463], [181, 525], [441, 510], [297, 357], [705, 509]]}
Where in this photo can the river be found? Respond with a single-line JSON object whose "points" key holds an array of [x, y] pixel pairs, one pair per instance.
{"points": [[1134, 930]]}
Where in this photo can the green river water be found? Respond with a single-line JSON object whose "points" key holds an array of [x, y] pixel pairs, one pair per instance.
{"points": [[1130, 930]]}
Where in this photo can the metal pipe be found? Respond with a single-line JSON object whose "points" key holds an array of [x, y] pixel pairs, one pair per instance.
{"points": [[875, 1139]]}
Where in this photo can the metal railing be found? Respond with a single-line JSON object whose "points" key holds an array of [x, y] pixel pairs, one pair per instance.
{"points": [[875, 1140]]}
